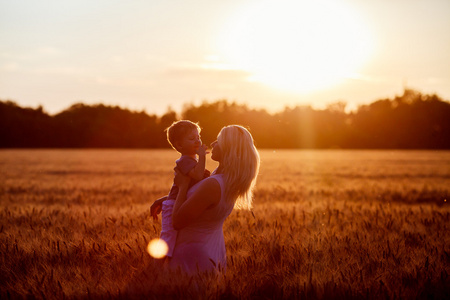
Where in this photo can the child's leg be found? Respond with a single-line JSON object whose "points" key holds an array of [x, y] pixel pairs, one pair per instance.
{"points": [[168, 233]]}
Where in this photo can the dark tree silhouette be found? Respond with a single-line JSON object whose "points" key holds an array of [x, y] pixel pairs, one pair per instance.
{"points": [[409, 121], [24, 127]]}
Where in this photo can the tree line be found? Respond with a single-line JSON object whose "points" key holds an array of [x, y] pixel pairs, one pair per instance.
{"points": [[410, 121]]}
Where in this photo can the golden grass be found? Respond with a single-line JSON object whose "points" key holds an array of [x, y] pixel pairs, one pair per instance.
{"points": [[325, 224]]}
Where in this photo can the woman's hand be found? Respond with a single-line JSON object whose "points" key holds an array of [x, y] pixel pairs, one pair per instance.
{"points": [[181, 180]]}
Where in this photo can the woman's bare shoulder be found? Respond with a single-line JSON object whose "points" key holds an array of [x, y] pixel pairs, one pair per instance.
{"points": [[210, 183], [211, 187]]}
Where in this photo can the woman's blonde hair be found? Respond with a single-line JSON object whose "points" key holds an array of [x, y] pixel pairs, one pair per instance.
{"points": [[239, 164]]}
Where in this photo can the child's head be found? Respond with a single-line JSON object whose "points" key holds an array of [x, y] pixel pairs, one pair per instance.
{"points": [[184, 136]]}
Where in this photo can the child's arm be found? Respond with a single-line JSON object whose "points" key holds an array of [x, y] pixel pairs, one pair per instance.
{"points": [[198, 172], [156, 207]]}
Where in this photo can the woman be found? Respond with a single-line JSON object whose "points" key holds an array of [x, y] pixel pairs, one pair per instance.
{"points": [[199, 213]]}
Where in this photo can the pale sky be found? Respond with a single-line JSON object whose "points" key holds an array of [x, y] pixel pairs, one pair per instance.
{"points": [[151, 54]]}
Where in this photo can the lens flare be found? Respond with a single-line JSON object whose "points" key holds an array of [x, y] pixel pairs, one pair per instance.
{"points": [[157, 248]]}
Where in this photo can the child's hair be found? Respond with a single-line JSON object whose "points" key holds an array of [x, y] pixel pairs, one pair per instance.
{"points": [[178, 129], [240, 162]]}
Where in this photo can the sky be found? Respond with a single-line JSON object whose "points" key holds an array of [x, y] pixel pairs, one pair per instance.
{"points": [[158, 55]]}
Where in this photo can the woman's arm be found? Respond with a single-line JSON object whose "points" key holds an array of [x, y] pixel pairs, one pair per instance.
{"points": [[185, 211]]}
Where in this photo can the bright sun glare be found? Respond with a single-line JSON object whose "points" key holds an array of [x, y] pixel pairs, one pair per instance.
{"points": [[297, 45], [157, 248]]}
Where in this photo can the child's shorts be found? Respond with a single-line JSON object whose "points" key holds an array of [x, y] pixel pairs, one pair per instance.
{"points": [[168, 234]]}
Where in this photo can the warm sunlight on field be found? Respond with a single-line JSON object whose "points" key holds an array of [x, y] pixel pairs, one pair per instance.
{"points": [[300, 46], [325, 224]]}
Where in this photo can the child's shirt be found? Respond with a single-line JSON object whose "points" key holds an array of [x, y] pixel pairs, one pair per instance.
{"points": [[185, 164]]}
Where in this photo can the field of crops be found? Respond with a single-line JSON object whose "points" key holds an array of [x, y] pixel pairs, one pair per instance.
{"points": [[325, 224]]}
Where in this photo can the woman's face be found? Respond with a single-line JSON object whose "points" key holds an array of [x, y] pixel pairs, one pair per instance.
{"points": [[216, 154]]}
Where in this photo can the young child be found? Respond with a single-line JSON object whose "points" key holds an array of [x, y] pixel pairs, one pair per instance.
{"points": [[184, 137]]}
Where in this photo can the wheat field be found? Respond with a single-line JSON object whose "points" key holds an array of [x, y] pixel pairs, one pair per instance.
{"points": [[329, 224]]}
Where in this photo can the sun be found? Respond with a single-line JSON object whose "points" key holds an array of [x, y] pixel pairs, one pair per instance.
{"points": [[296, 45]]}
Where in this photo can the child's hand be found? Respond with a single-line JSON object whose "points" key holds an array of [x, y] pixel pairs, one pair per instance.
{"points": [[156, 208], [206, 174], [202, 150]]}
